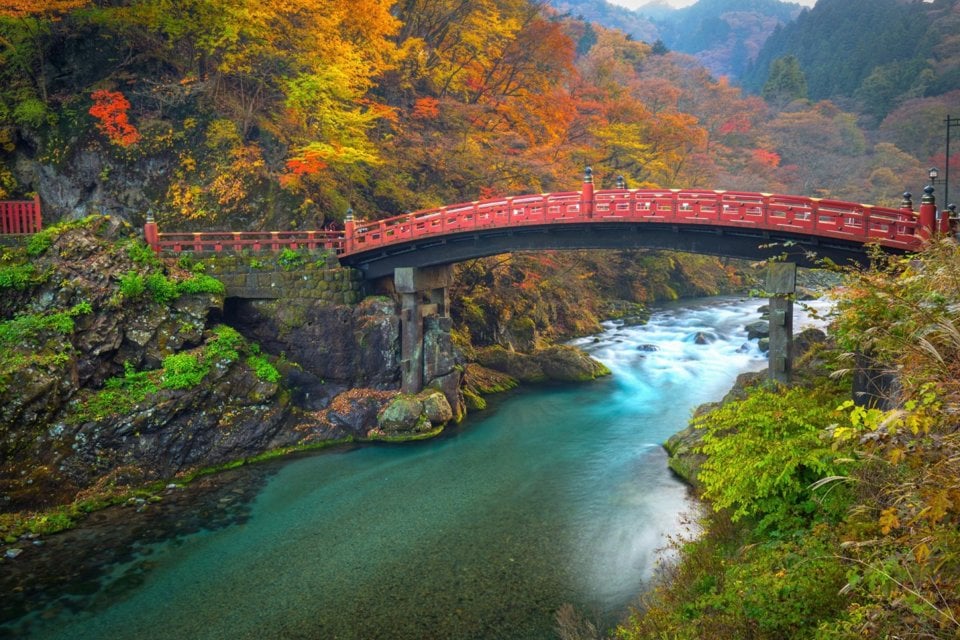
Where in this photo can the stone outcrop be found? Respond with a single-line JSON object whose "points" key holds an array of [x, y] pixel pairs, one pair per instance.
{"points": [[561, 363], [346, 345], [81, 329]]}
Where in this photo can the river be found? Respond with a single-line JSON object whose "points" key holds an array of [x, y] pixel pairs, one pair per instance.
{"points": [[556, 494]]}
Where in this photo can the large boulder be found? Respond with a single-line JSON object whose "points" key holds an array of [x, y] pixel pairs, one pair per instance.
{"points": [[757, 330], [569, 364], [520, 366], [413, 415], [560, 362]]}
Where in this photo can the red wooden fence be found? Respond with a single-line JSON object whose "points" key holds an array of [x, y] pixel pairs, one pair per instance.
{"points": [[20, 216]]}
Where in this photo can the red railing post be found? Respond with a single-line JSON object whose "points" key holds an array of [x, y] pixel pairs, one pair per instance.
{"points": [[586, 196], [348, 230], [928, 212], [943, 226], [151, 234], [37, 220], [907, 216]]}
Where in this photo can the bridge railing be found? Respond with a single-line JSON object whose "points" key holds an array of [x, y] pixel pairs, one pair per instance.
{"points": [[895, 228], [255, 241], [828, 218], [20, 216]]}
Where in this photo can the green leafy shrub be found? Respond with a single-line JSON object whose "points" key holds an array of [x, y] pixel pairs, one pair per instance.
{"points": [[201, 283], [290, 260], [141, 254], [264, 370], [80, 309], [30, 113], [779, 436], [41, 241], [724, 588], [183, 371], [161, 288], [132, 285], [225, 345], [18, 276]]}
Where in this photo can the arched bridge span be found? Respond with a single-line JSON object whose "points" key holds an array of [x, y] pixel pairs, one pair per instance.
{"points": [[725, 223]]}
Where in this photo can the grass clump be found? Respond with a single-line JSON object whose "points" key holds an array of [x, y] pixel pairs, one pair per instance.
{"points": [[19, 276], [119, 395], [183, 371], [29, 327], [263, 368], [201, 283]]}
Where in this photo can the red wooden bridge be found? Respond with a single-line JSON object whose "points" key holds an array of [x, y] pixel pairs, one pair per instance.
{"points": [[728, 223]]}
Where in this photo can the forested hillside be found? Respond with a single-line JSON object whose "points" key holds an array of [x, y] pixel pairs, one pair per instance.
{"points": [[724, 35], [876, 53], [251, 115]]}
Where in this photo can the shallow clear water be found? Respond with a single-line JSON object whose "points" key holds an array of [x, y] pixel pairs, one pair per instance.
{"points": [[555, 495]]}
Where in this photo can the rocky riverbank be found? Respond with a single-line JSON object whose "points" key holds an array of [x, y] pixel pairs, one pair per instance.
{"points": [[119, 370]]}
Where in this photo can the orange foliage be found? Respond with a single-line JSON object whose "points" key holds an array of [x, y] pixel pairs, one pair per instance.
{"points": [[766, 158], [426, 108], [110, 108], [307, 164], [27, 8]]}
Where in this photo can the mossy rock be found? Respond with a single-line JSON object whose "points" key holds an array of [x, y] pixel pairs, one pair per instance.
{"points": [[517, 365], [569, 364], [415, 413], [481, 381], [473, 401], [683, 458]]}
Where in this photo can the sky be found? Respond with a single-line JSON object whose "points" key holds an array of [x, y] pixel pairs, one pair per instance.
{"points": [[634, 4]]}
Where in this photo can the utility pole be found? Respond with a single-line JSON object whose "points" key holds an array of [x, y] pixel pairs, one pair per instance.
{"points": [[950, 122]]}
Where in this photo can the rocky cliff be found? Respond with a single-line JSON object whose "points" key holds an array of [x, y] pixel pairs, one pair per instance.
{"points": [[116, 369]]}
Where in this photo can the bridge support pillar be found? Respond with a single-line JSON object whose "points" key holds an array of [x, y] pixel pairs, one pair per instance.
{"points": [[781, 283], [424, 291]]}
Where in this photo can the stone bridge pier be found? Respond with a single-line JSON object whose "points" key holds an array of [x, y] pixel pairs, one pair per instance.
{"points": [[426, 350]]}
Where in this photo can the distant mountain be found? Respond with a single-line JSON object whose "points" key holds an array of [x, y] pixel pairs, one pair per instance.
{"points": [[880, 52], [611, 16], [726, 35]]}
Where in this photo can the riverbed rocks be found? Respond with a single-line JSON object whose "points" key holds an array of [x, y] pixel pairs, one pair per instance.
{"points": [[757, 330]]}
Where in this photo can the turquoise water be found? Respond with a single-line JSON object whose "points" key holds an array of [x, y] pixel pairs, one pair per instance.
{"points": [[555, 495]]}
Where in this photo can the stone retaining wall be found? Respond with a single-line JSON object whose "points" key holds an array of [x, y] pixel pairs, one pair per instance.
{"points": [[266, 279]]}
